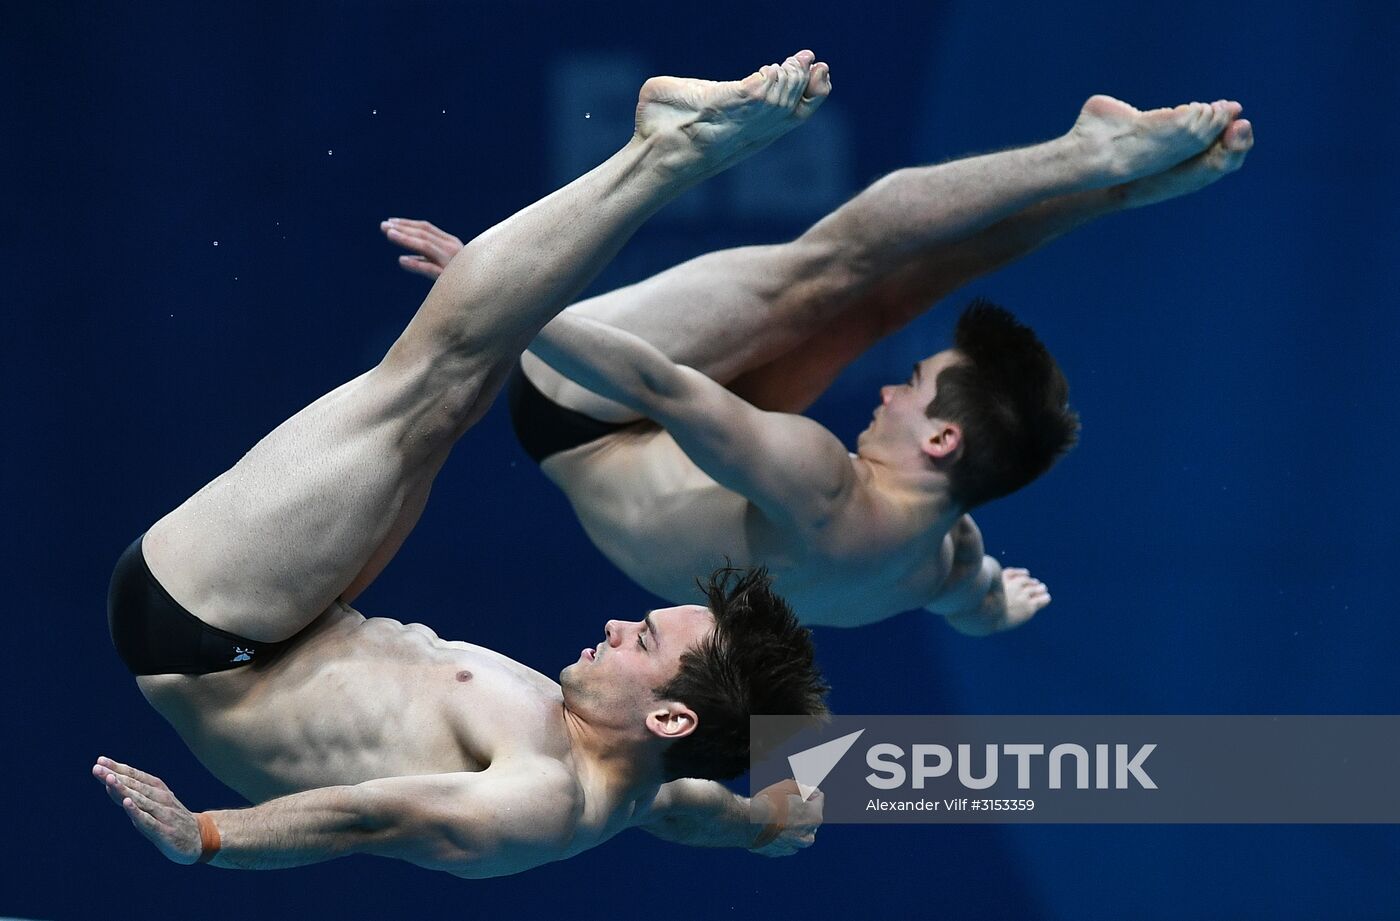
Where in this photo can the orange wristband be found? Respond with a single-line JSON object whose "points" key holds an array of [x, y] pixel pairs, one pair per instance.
{"points": [[777, 795], [209, 841], [766, 837]]}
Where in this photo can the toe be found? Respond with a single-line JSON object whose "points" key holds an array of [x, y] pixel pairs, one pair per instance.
{"points": [[793, 83], [818, 88], [1209, 121], [1239, 137], [1107, 106], [754, 83]]}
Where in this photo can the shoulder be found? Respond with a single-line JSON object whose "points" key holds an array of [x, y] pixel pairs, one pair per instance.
{"points": [[518, 813], [522, 805], [541, 782], [547, 782], [825, 492]]}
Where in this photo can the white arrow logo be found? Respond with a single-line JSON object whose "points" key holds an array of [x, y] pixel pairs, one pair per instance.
{"points": [[810, 766]]}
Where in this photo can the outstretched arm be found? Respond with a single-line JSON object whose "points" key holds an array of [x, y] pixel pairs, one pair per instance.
{"points": [[979, 596], [792, 468], [467, 824], [702, 813]]}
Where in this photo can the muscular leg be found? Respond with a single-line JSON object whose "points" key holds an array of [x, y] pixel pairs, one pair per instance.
{"points": [[318, 506], [795, 379], [778, 322]]}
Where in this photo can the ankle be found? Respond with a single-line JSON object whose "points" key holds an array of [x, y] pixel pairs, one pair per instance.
{"points": [[666, 159], [1078, 165]]}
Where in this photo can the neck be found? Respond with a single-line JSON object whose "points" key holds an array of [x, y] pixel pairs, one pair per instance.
{"points": [[915, 484], [613, 769]]}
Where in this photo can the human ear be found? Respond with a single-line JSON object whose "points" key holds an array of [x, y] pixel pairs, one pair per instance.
{"points": [[673, 721], [944, 442]]}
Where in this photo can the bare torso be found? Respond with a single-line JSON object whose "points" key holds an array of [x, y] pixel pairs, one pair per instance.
{"points": [[661, 520], [354, 699]]}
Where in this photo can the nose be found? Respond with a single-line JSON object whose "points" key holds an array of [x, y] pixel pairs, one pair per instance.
{"points": [[886, 393], [613, 631]]}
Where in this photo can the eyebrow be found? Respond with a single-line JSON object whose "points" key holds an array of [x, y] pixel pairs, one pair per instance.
{"points": [[651, 625]]}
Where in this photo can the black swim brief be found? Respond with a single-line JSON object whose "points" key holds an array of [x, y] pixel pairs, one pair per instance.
{"points": [[155, 635], [543, 427]]}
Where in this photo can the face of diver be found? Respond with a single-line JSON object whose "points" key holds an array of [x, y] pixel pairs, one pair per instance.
{"points": [[901, 420], [614, 681]]}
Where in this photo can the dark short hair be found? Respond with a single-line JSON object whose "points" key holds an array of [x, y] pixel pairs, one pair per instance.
{"points": [[1011, 400], [757, 660]]}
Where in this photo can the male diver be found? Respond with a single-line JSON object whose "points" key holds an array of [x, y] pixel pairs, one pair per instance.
{"points": [[667, 411], [373, 736]]}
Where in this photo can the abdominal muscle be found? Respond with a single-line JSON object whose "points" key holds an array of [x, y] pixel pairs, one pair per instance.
{"points": [[355, 699]]}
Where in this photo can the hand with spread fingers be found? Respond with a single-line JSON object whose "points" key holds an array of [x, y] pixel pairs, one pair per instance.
{"points": [[431, 247], [1025, 594], [152, 808]]}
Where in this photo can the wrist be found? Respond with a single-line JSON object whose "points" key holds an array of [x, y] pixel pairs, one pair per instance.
{"points": [[210, 840], [768, 811], [764, 827]]}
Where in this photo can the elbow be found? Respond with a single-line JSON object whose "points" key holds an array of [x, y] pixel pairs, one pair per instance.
{"points": [[655, 384], [426, 842], [672, 383], [385, 822]]}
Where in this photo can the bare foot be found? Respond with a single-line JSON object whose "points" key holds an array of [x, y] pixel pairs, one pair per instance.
{"points": [[1123, 144], [704, 126], [1219, 160]]}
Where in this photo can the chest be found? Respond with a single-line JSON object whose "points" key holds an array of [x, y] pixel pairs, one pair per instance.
{"points": [[375, 700], [866, 566], [663, 522]]}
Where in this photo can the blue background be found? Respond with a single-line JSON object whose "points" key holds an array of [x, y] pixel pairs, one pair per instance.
{"points": [[1221, 541]]}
